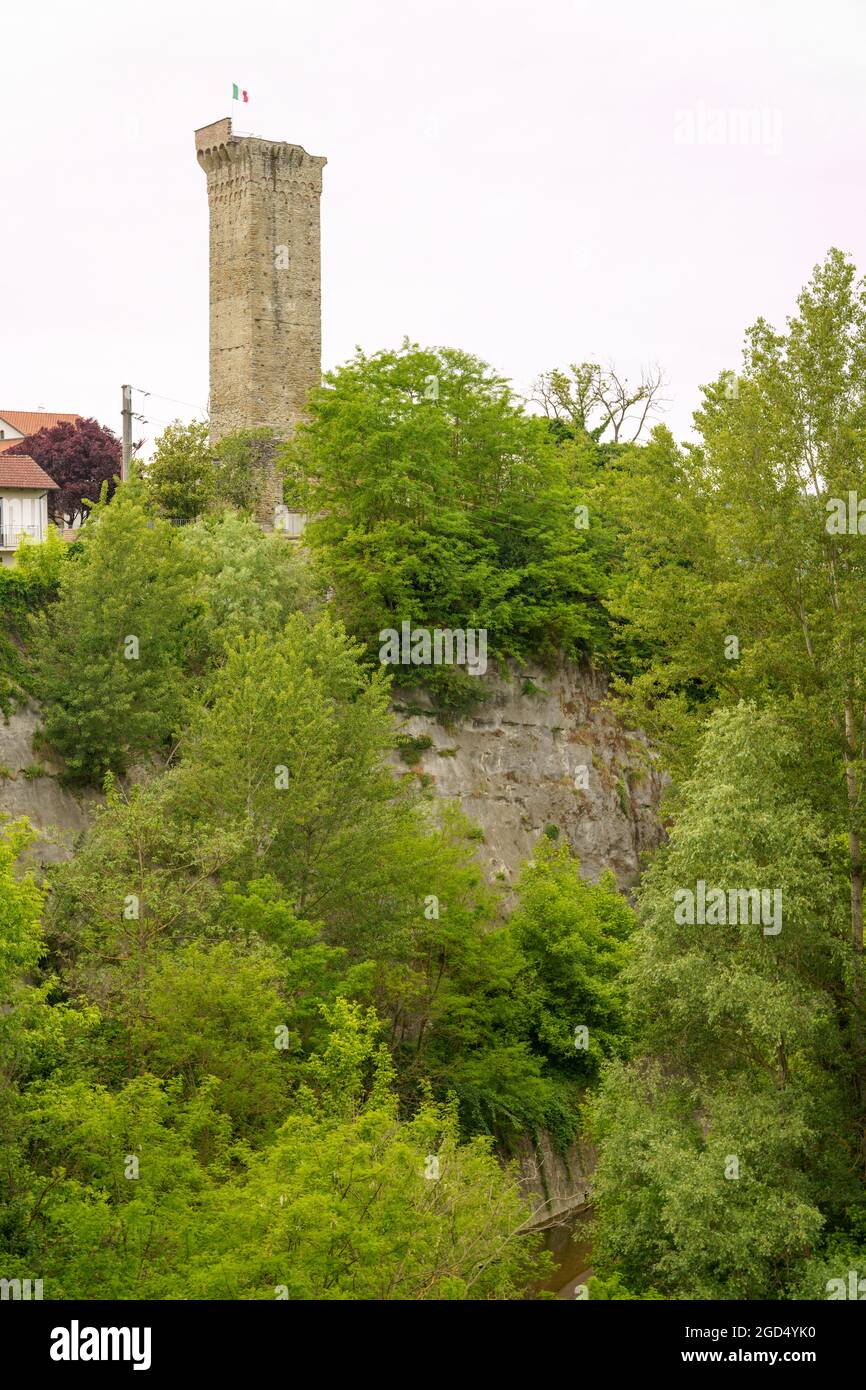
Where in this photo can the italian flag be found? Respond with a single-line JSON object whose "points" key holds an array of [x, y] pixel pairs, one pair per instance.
{"points": [[237, 94]]}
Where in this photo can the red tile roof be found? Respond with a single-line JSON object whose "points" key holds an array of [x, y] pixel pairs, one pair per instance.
{"points": [[31, 421], [19, 470]]}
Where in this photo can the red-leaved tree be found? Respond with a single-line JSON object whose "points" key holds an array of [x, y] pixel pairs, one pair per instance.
{"points": [[80, 457]]}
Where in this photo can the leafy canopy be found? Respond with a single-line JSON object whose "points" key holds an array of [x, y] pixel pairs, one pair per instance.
{"points": [[436, 500]]}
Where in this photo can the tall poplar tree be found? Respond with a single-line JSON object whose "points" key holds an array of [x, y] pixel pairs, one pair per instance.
{"points": [[742, 577]]}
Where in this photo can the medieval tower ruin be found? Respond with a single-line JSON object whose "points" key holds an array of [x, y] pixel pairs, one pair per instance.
{"points": [[265, 279]]}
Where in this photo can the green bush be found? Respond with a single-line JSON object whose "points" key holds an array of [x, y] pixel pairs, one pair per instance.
{"points": [[435, 499]]}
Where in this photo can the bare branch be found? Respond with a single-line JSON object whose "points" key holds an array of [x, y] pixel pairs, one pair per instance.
{"points": [[585, 391]]}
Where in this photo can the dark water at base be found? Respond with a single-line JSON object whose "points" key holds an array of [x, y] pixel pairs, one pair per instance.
{"points": [[571, 1247]]}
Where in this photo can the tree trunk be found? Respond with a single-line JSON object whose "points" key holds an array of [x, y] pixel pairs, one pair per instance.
{"points": [[854, 852]]}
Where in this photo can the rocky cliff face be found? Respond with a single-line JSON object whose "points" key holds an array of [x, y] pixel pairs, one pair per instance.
{"points": [[29, 787], [558, 1185], [542, 754]]}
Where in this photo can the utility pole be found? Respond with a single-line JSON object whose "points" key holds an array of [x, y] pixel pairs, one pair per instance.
{"points": [[127, 432]]}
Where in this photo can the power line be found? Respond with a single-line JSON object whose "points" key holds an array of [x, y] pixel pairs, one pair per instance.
{"points": [[152, 420], [128, 415], [173, 399]]}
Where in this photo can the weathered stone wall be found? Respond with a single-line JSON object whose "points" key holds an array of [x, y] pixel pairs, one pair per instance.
{"points": [[514, 765], [56, 814], [265, 279], [511, 765], [557, 1185]]}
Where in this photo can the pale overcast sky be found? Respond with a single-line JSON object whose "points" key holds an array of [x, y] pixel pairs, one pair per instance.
{"points": [[536, 182]]}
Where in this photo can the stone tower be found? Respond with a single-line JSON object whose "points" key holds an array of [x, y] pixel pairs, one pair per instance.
{"points": [[265, 279]]}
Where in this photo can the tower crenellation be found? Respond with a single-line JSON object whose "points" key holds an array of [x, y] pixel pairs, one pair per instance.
{"points": [[265, 278]]}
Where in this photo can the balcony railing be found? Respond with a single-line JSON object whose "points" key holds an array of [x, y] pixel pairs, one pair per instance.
{"points": [[11, 535]]}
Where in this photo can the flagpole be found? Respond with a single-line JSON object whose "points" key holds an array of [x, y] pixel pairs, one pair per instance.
{"points": [[241, 97]]}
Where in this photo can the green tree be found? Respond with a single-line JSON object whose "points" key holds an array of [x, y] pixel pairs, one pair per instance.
{"points": [[108, 1186], [290, 749], [245, 471], [574, 936], [41, 562], [141, 882], [214, 1010], [350, 1202], [289, 755], [142, 1192], [247, 581], [702, 1194], [312, 971], [490, 1012], [741, 580], [437, 501], [732, 1138], [109, 653], [181, 476], [21, 945], [26, 587]]}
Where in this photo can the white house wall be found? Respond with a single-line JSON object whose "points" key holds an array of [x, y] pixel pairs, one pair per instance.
{"points": [[8, 431], [24, 509]]}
